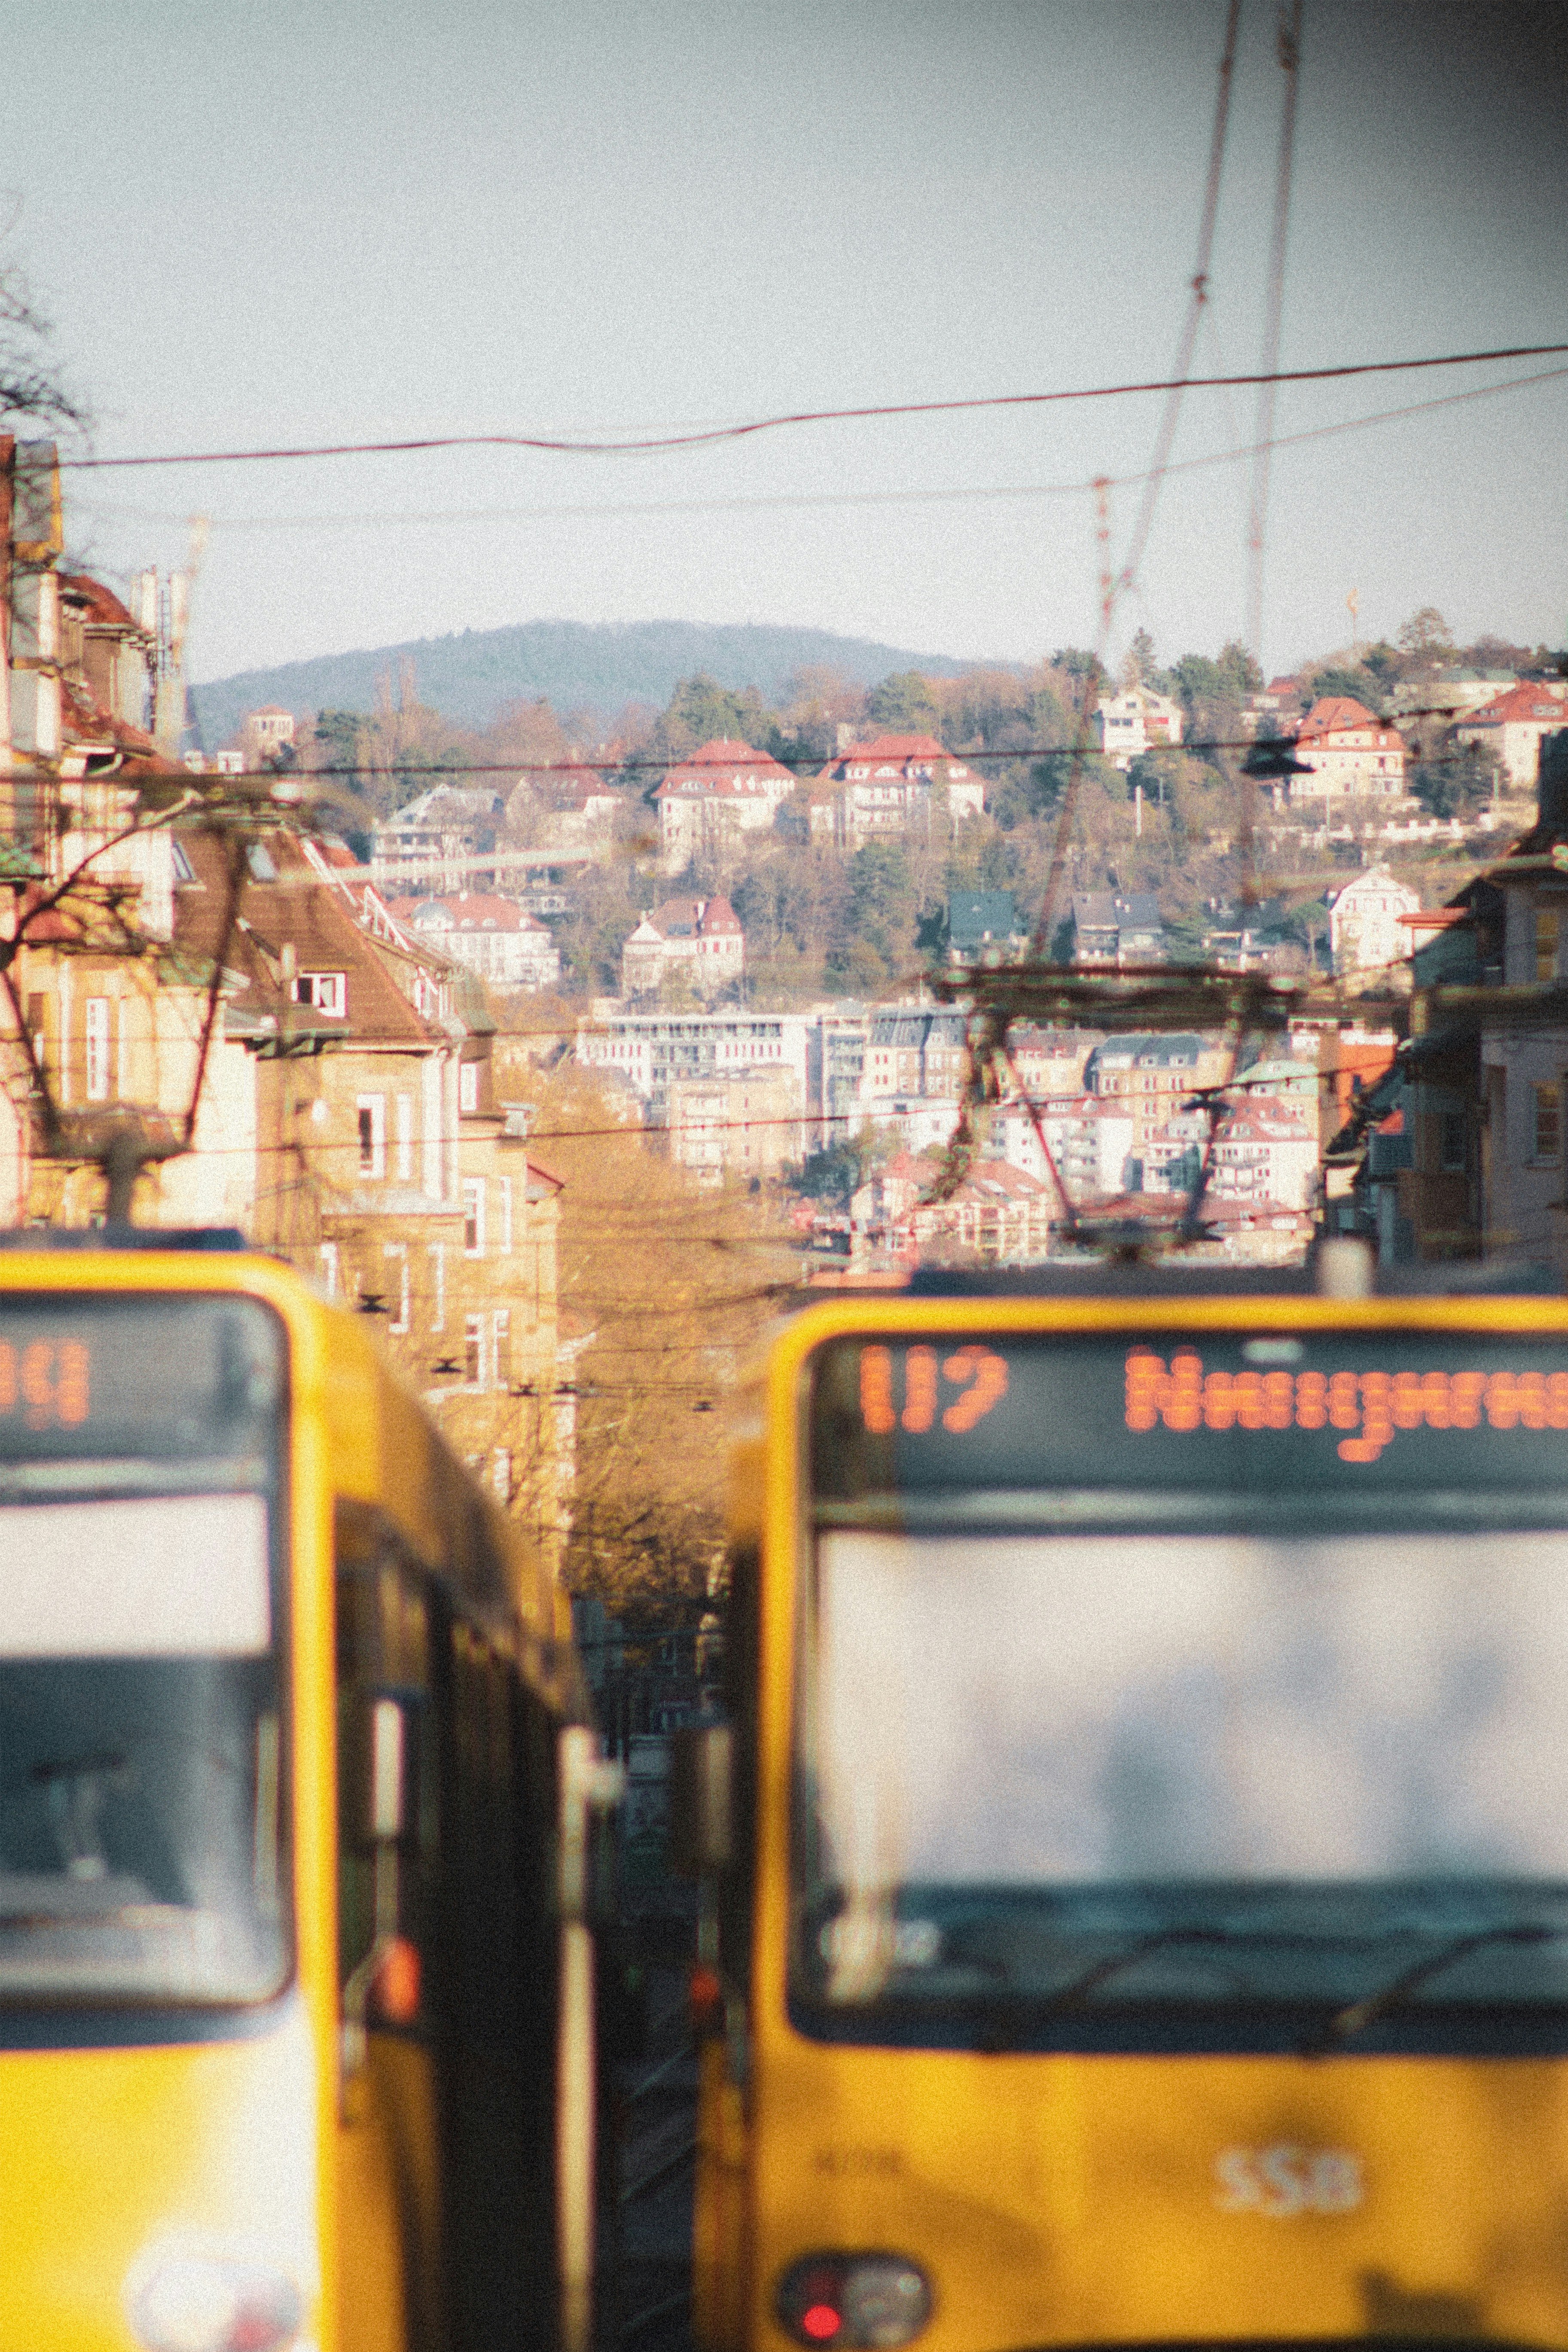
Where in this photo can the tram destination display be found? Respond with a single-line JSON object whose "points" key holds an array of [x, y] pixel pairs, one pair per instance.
{"points": [[1401, 1411]]}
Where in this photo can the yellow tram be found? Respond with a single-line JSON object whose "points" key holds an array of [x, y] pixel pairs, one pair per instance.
{"points": [[1139, 1855], [286, 2004]]}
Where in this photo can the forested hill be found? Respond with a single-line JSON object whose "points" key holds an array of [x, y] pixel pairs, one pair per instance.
{"points": [[574, 665]]}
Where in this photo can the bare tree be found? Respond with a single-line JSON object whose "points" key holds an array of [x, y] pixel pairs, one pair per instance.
{"points": [[30, 387]]}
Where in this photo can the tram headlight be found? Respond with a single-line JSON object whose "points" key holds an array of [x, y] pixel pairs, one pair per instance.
{"points": [[872, 2302], [180, 2302]]}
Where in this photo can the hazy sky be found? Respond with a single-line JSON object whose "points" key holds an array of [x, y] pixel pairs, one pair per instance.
{"points": [[323, 219]]}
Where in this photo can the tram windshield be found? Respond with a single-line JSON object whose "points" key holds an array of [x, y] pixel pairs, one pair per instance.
{"points": [[141, 1686], [1186, 1739]]}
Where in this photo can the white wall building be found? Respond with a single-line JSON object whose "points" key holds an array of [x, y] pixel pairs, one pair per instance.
{"points": [[489, 936], [1136, 721], [1513, 726], [1090, 1141], [1352, 755], [888, 787], [705, 803], [699, 937], [1366, 930], [650, 1051]]}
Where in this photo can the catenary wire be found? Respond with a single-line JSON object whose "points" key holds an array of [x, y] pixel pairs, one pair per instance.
{"points": [[587, 509], [633, 445]]}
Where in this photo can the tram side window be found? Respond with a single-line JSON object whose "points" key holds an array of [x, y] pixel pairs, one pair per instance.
{"points": [[382, 1650]]}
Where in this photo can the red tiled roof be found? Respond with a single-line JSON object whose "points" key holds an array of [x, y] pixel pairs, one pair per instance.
{"points": [[103, 606], [1337, 714], [728, 752], [1533, 699], [1336, 711], [897, 747]]}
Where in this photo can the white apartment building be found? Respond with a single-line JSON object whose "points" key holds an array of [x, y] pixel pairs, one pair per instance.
{"points": [[489, 936], [890, 787], [1367, 931], [652, 1051], [1514, 726], [700, 938], [1352, 755], [1136, 721], [725, 789], [1090, 1141]]}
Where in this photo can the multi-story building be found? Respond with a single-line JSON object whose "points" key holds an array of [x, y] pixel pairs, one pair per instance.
{"points": [[1135, 721], [1115, 930], [999, 1215], [649, 1052], [439, 840], [1050, 1063], [264, 735], [1367, 923], [492, 937], [912, 1050], [1090, 1141], [836, 1036], [1514, 725], [707, 801], [233, 1008], [745, 1126], [1150, 1077], [892, 786], [1265, 1152], [699, 940], [1352, 755]]}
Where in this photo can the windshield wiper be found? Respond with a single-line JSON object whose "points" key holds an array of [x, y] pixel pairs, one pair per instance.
{"points": [[1346, 2022], [1161, 1939]]}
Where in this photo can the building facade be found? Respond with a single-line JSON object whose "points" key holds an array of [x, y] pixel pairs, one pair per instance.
{"points": [[697, 939], [1351, 753], [1138, 720], [890, 788], [706, 803]]}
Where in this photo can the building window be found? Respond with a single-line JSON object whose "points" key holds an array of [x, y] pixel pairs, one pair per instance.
{"points": [[500, 1344], [500, 1476], [1546, 1122], [1546, 943], [371, 1124], [473, 1216], [97, 1011], [396, 1256], [469, 1087], [405, 1139], [1452, 1143], [505, 1182], [438, 1282], [474, 1350], [328, 1254], [327, 991]]}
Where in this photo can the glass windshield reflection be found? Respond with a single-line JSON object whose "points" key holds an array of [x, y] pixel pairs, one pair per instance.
{"points": [[140, 1812], [1102, 1770]]}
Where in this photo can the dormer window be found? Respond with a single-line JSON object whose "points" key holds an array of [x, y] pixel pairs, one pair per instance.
{"points": [[327, 991]]}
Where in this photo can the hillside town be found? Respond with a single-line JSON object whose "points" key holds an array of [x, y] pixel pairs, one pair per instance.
{"points": [[309, 997]]}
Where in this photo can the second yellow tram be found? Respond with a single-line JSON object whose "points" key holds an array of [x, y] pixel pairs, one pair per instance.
{"points": [[1141, 1891]]}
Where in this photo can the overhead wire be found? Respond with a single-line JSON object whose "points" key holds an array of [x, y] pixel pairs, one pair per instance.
{"points": [[1289, 42], [423, 518], [649, 445]]}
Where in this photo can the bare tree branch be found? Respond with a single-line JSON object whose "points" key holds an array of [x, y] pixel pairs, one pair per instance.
{"points": [[238, 849]]}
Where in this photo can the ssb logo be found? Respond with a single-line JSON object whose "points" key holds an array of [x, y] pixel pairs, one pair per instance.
{"points": [[1284, 2181]]}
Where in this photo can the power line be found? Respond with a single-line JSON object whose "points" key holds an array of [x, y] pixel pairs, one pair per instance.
{"points": [[634, 445], [588, 509]]}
